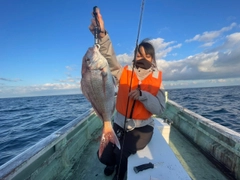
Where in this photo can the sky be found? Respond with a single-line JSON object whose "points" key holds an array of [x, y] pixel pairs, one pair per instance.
{"points": [[42, 42]]}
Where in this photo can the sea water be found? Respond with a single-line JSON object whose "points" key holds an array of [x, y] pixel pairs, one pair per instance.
{"points": [[25, 121]]}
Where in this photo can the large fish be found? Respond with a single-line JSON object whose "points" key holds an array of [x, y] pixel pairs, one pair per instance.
{"points": [[97, 85]]}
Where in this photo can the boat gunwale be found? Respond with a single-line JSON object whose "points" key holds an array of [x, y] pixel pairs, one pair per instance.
{"points": [[229, 133], [222, 146], [20, 161]]}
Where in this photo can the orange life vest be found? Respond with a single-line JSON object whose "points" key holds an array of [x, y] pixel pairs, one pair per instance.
{"points": [[150, 84]]}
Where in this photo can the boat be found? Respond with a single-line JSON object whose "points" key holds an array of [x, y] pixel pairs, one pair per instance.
{"points": [[203, 148]]}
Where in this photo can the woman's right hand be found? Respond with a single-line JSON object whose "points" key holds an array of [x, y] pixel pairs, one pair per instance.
{"points": [[101, 24], [135, 94]]}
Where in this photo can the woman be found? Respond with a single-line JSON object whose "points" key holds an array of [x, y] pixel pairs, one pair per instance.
{"points": [[146, 97]]}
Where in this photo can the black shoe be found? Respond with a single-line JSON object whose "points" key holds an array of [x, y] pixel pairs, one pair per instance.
{"points": [[109, 170]]}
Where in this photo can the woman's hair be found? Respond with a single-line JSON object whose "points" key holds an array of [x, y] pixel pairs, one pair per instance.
{"points": [[149, 49]]}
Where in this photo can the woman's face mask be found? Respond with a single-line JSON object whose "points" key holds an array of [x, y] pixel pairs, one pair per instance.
{"points": [[143, 63]]}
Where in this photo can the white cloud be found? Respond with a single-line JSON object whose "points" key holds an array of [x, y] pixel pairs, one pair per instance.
{"points": [[218, 63], [201, 83], [209, 36], [233, 41], [36, 90], [208, 44], [162, 48], [69, 79], [202, 66], [69, 68], [163, 29], [10, 80], [124, 59], [57, 86], [69, 85]]}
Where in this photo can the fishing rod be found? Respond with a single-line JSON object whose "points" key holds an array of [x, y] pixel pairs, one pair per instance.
{"points": [[97, 28], [130, 88], [134, 63], [134, 59]]}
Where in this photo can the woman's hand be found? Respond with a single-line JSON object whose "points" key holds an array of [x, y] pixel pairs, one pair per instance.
{"points": [[101, 24], [135, 94]]}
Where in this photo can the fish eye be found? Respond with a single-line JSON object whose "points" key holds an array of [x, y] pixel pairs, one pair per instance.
{"points": [[86, 60]]}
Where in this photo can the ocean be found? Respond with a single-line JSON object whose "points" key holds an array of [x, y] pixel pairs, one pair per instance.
{"points": [[25, 121]]}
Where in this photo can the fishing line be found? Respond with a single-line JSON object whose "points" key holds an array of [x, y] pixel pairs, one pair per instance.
{"points": [[134, 64]]}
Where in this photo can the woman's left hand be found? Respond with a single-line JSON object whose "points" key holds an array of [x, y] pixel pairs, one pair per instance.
{"points": [[134, 94], [101, 23]]}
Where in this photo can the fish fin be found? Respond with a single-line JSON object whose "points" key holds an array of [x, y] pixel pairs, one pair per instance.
{"points": [[104, 79], [108, 135]]}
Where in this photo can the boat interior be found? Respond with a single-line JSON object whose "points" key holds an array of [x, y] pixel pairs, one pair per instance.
{"points": [[196, 164], [71, 154]]}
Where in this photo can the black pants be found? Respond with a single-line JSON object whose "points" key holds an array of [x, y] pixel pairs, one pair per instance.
{"points": [[130, 142]]}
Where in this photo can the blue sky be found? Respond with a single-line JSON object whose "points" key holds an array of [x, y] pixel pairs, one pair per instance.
{"points": [[42, 42]]}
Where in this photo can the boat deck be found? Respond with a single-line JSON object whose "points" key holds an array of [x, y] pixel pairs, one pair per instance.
{"points": [[194, 162]]}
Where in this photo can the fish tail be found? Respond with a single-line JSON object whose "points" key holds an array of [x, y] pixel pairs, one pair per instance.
{"points": [[108, 135]]}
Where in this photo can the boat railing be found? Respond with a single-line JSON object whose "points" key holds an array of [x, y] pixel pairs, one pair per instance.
{"points": [[28, 156], [218, 142]]}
